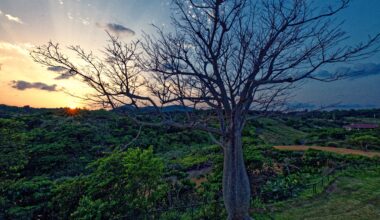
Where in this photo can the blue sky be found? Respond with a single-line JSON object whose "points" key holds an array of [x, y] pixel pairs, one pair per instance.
{"points": [[26, 23]]}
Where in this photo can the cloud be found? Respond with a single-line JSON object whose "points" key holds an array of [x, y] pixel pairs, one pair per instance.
{"points": [[78, 18], [57, 69], [363, 70], [66, 75], [354, 72], [70, 16], [15, 56], [19, 48], [84, 21], [23, 85], [117, 29], [63, 71], [13, 18]]}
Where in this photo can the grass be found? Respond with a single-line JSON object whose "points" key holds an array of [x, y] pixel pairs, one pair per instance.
{"points": [[277, 132], [353, 196]]}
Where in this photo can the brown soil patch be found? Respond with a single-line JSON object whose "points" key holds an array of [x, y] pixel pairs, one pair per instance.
{"points": [[329, 149], [198, 181], [194, 173]]}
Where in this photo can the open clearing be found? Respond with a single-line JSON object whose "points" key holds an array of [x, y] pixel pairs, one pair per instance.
{"points": [[329, 149]]}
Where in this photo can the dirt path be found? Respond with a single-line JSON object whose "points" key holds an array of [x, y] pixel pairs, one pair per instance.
{"points": [[329, 149]]}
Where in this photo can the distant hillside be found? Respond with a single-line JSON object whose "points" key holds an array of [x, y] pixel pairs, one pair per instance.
{"points": [[8, 111], [148, 109]]}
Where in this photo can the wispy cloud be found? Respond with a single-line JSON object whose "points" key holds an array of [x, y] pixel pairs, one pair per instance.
{"points": [[19, 48], [66, 75], [12, 18], [117, 29], [64, 72], [23, 85], [78, 18], [57, 69], [85, 21], [354, 72], [70, 16]]}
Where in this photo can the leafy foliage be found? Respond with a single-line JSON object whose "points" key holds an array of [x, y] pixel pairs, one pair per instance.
{"points": [[121, 184], [69, 166]]}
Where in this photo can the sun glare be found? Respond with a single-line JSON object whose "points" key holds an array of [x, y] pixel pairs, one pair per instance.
{"points": [[72, 109], [72, 106]]}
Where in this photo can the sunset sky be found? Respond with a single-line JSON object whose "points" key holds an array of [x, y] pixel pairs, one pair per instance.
{"points": [[27, 23]]}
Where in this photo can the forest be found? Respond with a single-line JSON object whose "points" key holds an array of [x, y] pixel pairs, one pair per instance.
{"points": [[96, 164]]}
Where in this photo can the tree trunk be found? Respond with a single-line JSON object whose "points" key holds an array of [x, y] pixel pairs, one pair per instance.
{"points": [[236, 188]]}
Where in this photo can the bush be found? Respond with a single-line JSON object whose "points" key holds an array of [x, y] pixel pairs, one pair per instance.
{"points": [[122, 184], [26, 198]]}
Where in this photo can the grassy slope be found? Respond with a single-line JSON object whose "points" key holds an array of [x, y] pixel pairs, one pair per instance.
{"points": [[276, 132], [353, 196]]}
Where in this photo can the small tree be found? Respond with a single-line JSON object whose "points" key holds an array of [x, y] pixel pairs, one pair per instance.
{"points": [[227, 56], [364, 141]]}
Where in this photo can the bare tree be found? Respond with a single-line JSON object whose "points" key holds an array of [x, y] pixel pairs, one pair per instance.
{"points": [[227, 56]]}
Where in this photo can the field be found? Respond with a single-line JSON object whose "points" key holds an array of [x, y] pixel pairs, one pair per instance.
{"points": [[353, 196]]}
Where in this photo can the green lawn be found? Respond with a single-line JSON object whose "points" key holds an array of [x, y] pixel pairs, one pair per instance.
{"points": [[355, 195]]}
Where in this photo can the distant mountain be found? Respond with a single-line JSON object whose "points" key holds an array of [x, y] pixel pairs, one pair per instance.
{"points": [[7, 111], [148, 109], [177, 108]]}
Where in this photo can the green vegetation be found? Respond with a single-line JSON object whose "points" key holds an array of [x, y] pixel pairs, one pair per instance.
{"points": [[121, 185], [58, 165], [278, 132], [354, 195], [365, 140]]}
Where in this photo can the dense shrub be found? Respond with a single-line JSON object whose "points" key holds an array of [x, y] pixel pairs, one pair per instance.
{"points": [[25, 198], [121, 184]]}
